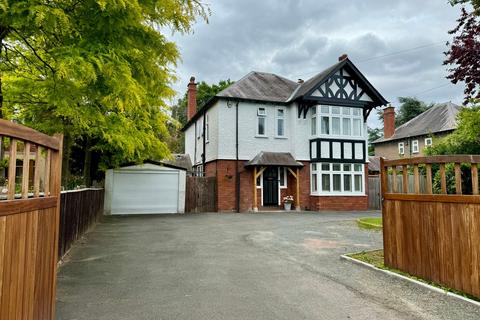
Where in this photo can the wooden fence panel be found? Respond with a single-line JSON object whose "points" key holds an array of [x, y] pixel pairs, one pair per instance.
{"points": [[433, 236], [201, 194], [29, 216], [374, 193], [79, 211]]}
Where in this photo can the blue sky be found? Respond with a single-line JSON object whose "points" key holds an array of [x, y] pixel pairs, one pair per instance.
{"points": [[397, 45]]}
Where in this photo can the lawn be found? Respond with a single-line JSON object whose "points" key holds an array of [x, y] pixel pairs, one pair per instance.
{"points": [[370, 223]]}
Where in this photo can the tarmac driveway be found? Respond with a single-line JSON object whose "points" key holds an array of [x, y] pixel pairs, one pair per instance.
{"points": [[238, 266]]}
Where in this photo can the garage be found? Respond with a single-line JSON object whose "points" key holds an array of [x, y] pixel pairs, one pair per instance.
{"points": [[148, 188]]}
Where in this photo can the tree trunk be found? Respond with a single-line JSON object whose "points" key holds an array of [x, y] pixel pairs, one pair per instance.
{"points": [[87, 164]]}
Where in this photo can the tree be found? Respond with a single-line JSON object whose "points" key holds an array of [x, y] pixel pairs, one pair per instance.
{"points": [[205, 92], [98, 71], [465, 139], [409, 108], [373, 134], [463, 57]]}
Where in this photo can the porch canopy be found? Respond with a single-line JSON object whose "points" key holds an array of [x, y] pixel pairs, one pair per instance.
{"points": [[277, 159], [280, 159]]}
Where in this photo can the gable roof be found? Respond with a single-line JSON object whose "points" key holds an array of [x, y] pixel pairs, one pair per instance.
{"points": [[260, 86], [269, 87], [439, 118]]}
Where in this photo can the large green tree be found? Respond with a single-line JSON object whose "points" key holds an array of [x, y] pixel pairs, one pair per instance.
{"points": [[99, 71], [205, 92]]}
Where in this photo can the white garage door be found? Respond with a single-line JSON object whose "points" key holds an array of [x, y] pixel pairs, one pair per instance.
{"points": [[141, 192]]}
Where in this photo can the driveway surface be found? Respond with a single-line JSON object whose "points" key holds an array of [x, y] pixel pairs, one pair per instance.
{"points": [[238, 266]]}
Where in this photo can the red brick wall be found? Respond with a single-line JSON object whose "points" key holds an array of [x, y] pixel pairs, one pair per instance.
{"points": [[224, 170]]}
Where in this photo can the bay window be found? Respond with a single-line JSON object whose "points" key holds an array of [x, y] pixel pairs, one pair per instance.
{"points": [[338, 121], [337, 179]]}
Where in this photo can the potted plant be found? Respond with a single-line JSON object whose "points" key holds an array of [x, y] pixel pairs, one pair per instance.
{"points": [[287, 202]]}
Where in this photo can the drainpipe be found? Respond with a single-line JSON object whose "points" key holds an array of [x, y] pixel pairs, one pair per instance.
{"points": [[204, 154], [237, 174]]}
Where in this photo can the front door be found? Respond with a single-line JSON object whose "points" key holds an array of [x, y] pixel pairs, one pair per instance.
{"points": [[270, 186]]}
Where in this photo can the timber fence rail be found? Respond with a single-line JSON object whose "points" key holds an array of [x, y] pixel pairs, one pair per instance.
{"points": [[29, 220], [433, 231], [79, 211]]}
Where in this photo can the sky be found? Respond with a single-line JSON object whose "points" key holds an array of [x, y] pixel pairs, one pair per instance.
{"points": [[397, 45]]}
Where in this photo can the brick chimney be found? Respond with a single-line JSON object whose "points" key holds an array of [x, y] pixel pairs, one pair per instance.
{"points": [[343, 57], [388, 121], [192, 98]]}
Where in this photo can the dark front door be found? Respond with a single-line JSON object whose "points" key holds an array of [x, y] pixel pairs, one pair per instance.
{"points": [[270, 186]]}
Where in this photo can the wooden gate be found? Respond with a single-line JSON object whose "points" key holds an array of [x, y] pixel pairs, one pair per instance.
{"points": [[29, 220], [201, 194], [433, 232], [374, 197]]}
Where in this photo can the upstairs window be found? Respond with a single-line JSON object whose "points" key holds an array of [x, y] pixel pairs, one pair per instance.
{"points": [[401, 148], [339, 121], [428, 142], [280, 122], [313, 126], [261, 122], [415, 148]]}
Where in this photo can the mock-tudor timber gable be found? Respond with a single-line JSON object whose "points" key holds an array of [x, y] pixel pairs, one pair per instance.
{"points": [[321, 123]]}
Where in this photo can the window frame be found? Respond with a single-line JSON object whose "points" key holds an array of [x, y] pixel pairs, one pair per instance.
{"points": [[415, 146], [282, 184], [283, 118], [313, 122], [350, 115], [401, 148], [428, 144], [351, 172], [264, 117]]}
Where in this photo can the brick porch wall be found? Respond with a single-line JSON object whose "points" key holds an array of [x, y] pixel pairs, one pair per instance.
{"points": [[341, 203]]}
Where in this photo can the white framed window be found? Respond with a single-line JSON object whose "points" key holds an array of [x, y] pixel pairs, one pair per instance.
{"points": [[198, 171], [207, 129], [314, 149], [313, 178], [261, 122], [282, 177], [280, 122], [339, 121], [415, 148], [199, 129], [313, 121], [428, 142], [260, 181], [401, 148], [337, 178]]}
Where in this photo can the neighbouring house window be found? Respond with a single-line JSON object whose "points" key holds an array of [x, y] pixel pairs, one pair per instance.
{"points": [[337, 178], [401, 148], [280, 122], [199, 126], [428, 142], [261, 121], [198, 171], [207, 129], [415, 146], [339, 121], [282, 174], [313, 125]]}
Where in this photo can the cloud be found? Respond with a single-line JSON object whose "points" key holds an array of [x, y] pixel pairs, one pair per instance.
{"points": [[299, 38]]}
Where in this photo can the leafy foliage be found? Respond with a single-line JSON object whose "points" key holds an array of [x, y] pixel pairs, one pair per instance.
{"points": [[464, 52], [205, 92], [373, 134], [465, 139], [409, 108], [97, 70]]}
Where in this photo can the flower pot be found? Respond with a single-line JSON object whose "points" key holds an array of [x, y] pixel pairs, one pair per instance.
{"points": [[287, 206]]}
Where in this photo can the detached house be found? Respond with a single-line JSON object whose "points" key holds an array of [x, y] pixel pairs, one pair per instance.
{"points": [[411, 138], [265, 137]]}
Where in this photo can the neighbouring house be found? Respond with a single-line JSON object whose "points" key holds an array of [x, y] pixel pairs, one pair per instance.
{"points": [[411, 138], [266, 137]]}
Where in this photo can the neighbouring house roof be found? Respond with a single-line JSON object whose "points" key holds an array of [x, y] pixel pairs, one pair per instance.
{"points": [[181, 161], [439, 118], [374, 164], [283, 159], [260, 86], [269, 87]]}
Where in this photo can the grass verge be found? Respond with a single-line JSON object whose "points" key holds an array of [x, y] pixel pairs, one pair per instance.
{"points": [[370, 223], [375, 258]]}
